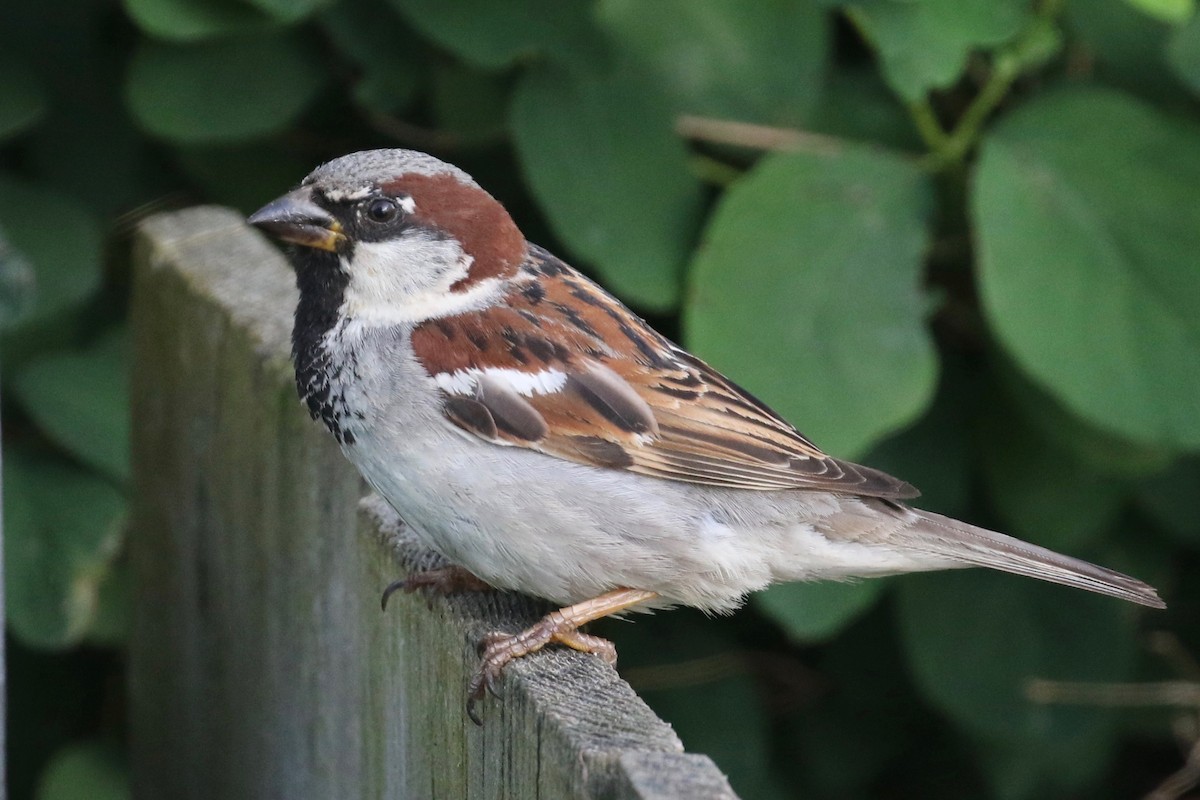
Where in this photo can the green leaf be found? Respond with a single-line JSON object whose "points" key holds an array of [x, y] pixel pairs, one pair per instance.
{"points": [[62, 527], [695, 676], [856, 104], [807, 291], [1098, 450], [1042, 492], [814, 612], [221, 91], [81, 401], [1170, 499], [1125, 49], [114, 608], [1183, 54], [1088, 228], [1031, 769], [493, 35], [85, 771], [932, 453], [601, 157], [244, 175], [754, 62], [861, 676], [470, 105], [194, 20], [58, 238], [974, 638], [389, 56], [924, 44], [1175, 12], [22, 101], [113, 171], [290, 11], [18, 287]]}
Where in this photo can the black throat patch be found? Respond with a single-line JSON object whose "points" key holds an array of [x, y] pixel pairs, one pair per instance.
{"points": [[319, 382]]}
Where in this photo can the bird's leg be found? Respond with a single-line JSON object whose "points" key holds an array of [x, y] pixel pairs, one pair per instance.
{"points": [[442, 581], [558, 626]]}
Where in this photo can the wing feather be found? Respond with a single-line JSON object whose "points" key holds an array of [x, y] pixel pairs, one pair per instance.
{"points": [[631, 399]]}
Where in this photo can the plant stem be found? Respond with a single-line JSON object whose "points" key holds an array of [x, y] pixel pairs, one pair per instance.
{"points": [[927, 125], [756, 137], [948, 149]]}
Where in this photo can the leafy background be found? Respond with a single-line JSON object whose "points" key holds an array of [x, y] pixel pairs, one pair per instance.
{"points": [[957, 239]]}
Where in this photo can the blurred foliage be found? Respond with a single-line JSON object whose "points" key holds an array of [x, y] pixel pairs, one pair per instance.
{"points": [[957, 239]]}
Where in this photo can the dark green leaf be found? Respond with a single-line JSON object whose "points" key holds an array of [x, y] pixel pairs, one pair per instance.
{"points": [[1042, 492], [290, 10], [807, 291], [1125, 49], [1172, 11], [493, 35], [693, 674], [1183, 54], [1033, 768], [386, 52], [62, 527], [221, 91], [18, 287], [1089, 275], [1170, 499], [243, 176], [856, 104], [813, 612], [22, 101], [860, 683], [86, 771], [932, 454], [754, 62], [81, 400], [114, 608], [193, 20], [1099, 450], [924, 44], [469, 104], [602, 159], [113, 170], [58, 238], [974, 638]]}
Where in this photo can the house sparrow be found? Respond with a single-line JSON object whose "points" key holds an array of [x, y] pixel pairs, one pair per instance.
{"points": [[544, 439]]}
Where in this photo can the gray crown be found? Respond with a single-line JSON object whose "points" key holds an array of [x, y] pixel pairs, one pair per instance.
{"points": [[368, 167]]}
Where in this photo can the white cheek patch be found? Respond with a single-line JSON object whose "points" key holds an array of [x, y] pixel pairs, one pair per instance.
{"points": [[464, 381], [407, 204], [408, 279]]}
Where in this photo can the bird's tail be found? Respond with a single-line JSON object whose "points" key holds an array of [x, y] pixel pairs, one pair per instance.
{"points": [[950, 538]]}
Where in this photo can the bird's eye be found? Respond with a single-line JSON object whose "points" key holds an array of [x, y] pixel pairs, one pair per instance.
{"points": [[381, 209]]}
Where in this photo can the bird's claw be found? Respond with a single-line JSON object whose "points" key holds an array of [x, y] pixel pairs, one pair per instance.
{"points": [[496, 650], [441, 581], [486, 680]]}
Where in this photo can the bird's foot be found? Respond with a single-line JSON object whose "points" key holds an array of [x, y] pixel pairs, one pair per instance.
{"points": [[498, 649], [440, 582]]}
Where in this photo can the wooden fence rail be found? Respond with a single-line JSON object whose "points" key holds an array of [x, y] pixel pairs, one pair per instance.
{"points": [[260, 664]]}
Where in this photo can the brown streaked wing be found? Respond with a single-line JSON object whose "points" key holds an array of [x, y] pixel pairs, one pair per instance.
{"points": [[631, 399]]}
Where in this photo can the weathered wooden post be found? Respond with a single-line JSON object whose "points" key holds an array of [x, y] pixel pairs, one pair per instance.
{"points": [[260, 664]]}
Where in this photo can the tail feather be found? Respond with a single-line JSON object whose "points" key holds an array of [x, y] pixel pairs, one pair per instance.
{"points": [[980, 547]]}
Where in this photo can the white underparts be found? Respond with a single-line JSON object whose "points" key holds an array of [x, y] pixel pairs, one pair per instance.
{"points": [[408, 279], [464, 381]]}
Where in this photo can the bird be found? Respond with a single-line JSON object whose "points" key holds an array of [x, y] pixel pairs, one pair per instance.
{"points": [[544, 439]]}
